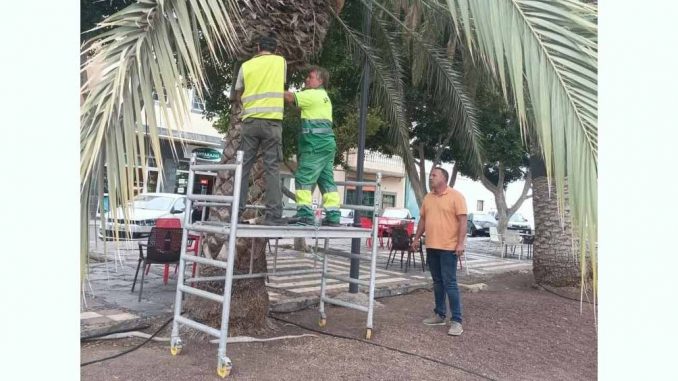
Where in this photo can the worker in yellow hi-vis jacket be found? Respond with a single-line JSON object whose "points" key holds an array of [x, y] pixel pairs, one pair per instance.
{"points": [[316, 149], [260, 86]]}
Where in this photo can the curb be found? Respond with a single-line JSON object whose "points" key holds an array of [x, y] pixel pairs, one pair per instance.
{"points": [[124, 326], [284, 306], [300, 303]]}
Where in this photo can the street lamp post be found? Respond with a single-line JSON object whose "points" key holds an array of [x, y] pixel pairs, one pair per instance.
{"points": [[365, 87]]}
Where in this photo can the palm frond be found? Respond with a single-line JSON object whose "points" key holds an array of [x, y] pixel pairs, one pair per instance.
{"points": [[550, 49], [388, 42], [449, 93], [388, 90], [149, 47]]}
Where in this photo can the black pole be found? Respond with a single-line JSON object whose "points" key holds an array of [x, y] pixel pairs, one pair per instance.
{"points": [[365, 87]]}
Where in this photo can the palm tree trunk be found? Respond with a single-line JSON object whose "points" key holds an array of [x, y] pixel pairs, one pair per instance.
{"points": [[555, 262], [249, 300], [300, 27]]}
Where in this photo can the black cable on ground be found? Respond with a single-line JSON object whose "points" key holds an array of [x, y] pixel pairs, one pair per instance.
{"points": [[563, 296], [129, 350], [383, 346]]}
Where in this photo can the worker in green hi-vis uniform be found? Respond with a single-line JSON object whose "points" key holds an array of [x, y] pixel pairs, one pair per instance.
{"points": [[316, 149]]}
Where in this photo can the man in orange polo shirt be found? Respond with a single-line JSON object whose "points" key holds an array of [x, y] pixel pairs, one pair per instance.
{"points": [[443, 218]]}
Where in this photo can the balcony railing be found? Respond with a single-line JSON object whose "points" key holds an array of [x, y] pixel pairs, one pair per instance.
{"points": [[378, 161]]}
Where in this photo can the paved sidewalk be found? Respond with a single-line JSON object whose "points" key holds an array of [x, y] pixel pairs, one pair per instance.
{"points": [[111, 305]]}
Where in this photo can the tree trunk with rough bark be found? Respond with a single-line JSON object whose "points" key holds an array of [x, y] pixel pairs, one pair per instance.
{"points": [[555, 263], [417, 177], [504, 212], [300, 27], [249, 302], [453, 176], [415, 183]]}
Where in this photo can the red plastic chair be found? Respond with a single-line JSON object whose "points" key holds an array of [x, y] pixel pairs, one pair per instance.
{"points": [[366, 223], [193, 242], [410, 228]]}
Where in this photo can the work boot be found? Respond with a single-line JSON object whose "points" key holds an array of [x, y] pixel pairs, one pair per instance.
{"points": [[455, 329], [304, 221], [301, 220], [434, 320], [274, 221]]}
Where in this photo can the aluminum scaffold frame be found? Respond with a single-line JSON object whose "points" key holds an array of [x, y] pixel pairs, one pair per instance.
{"points": [[232, 230]]}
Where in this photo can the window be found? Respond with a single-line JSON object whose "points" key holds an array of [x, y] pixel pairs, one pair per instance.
{"points": [[477, 217], [180, 204], [196, 103], [182, 177], [388, 200], [479, 205], [368, 199], [154, 94], [144, 181], [397, 213], [517, 217], [153, 202]]}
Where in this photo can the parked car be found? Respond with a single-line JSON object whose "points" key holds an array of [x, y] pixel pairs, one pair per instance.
{"points": [[479, 224], [520, 223], [391, 217], [346, 218], [144, 210]]}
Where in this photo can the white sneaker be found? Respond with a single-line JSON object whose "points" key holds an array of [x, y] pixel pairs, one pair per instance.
{"points": [[434, 320], [455, 329]]}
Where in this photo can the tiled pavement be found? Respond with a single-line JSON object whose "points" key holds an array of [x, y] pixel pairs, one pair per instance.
{"points": [[109, 300]]}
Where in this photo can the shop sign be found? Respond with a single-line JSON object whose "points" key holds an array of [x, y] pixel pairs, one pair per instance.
{"points": [[207, 154]]}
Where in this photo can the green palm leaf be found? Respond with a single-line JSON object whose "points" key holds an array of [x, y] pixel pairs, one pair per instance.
{"points": [[152, 46], [548, 49], [450, 94], [388, 90]]}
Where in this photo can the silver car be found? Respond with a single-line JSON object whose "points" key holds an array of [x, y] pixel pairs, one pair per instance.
{"points": [[144, 210], [346, 218], [520, 223]]}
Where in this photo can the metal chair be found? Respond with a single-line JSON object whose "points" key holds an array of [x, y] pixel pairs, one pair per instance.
{"points": [[163, 247], [401, 241], [497, 239], [513, 239], [529, 241]]}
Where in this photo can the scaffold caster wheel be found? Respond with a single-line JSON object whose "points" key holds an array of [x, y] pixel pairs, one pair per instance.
{"points": [[223, 371], [175, 346], [322, 323], [224, 367], [368, 333], [175, 349]]}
